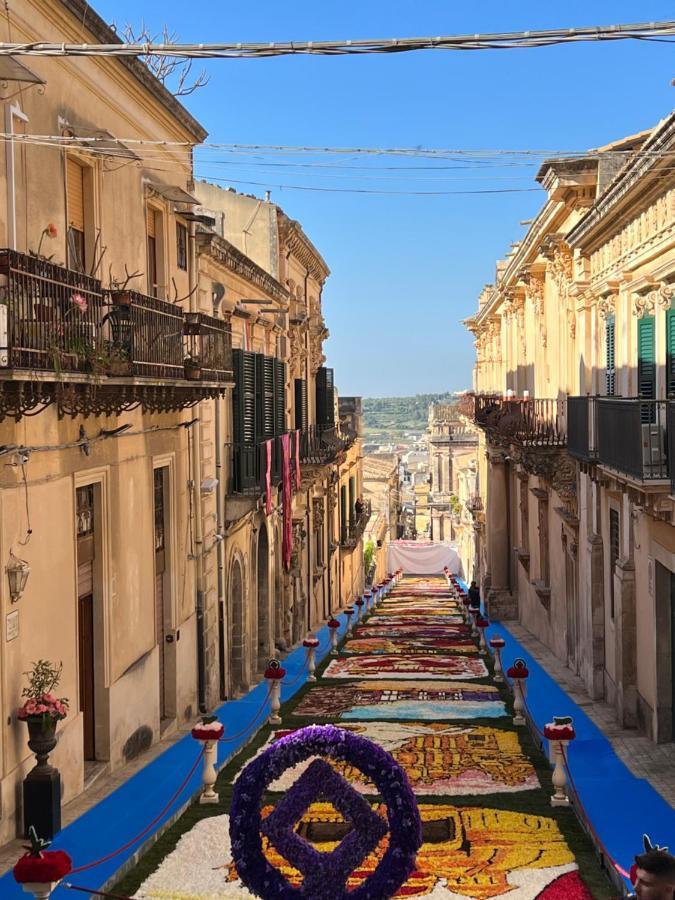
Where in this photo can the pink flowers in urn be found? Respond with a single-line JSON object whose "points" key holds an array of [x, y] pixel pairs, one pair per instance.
{"points": [[40, 699]]}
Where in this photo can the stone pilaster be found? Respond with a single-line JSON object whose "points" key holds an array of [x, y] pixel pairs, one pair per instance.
{"points": [[500, 602], [626, 663], [595, 684]]}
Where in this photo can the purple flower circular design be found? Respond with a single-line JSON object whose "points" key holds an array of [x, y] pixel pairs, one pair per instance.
{"points": [[324, 875]]}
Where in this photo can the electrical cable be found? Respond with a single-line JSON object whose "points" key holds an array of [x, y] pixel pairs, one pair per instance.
{"points": [[487, 41]]}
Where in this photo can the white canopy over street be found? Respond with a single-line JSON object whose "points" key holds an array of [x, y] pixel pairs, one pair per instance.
{"points": [[423, 557]]}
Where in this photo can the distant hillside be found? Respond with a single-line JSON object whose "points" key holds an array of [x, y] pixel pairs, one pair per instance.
{"points": [[395, 415]]}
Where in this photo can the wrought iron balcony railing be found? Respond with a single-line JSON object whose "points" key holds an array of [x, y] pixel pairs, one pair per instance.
{"points": [[320, 446], [50, 317], [630, 435], [209, 344], [352, 532], [529, 422]]}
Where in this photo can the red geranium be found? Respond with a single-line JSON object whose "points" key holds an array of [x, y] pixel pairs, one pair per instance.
{"points": [[49, 866]]}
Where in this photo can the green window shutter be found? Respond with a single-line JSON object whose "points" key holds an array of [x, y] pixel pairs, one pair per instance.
{"points": [[670, 351], [646, 358], [264, 397], [343, 508], [243, 396], [610, 349], [352, 499], [279, 396], [301, 404], [325, 405]]}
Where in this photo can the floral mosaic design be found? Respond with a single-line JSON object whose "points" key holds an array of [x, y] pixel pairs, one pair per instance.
{"points": [[406, 667], [404, 647], [419, 700], [439, 759]]}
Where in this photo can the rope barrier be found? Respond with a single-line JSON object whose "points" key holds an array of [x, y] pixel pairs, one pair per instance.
{"points": [[73, 887], [150, 825], [578, 805], [226, 739]]}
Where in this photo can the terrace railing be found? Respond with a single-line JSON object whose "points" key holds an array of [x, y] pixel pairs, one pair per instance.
{"points": [[526, 421], [148, 332], [633, 436], [209, 342], [352, 532]]}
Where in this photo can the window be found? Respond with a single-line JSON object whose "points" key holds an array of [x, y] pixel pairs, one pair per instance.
{"points": [[155, 232], [646, 367], [75, 203], [301, 404], [614, 537], [610, 364], [524, 518], [325, 398], [181, 247], [544, 566]]}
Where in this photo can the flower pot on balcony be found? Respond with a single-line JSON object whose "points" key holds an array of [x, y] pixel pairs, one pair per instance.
{"points": [[120, 298], [193, 373]]}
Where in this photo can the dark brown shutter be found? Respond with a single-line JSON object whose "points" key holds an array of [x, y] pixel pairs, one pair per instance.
{"points": [[325, 402], [301, 404], [244, 396], [279, 396], [264, 397]]}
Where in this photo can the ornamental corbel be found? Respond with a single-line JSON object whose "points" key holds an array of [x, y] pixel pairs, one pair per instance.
{"points": [[643, 305], [607, 306]]}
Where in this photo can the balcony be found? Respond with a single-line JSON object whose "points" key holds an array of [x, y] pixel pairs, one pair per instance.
{"points": [[248, 466], [527, 422], [352, 533], [629, 435], [320, 446], [64, 340], [209, 343]]}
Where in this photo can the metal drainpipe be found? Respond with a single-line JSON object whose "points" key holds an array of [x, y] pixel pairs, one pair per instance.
{"points": [[197, 506], [223, 618], [309, 564]]}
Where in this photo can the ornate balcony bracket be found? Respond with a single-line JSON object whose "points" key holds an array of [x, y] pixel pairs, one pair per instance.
{"points": [[543, 591], [524, 559]]}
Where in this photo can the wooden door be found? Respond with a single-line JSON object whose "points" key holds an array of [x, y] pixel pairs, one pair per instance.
{"points": [[85, 524]]}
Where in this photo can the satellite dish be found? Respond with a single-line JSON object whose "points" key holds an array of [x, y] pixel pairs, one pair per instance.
{"points": [[217, 294]]}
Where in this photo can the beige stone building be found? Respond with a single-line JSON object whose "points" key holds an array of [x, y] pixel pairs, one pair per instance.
{"points": [[381, 490], [453, 469], [281, 386], [131, 498], [573, 378]]}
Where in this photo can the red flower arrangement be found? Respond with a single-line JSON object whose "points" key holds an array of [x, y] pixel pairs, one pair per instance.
{"points": [[497, 642], [333, 623], [359, 602], [518, 669], [40, 701], [560, 729], [310, 642], [209, 729], [41, 866], [481, 621], [274, 670], [349, 610]]}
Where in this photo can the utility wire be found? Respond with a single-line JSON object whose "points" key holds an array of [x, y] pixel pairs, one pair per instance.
{"points": [[498, 41]]}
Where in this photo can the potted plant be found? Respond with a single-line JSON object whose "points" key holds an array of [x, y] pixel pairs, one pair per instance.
{"points": [[42, 709], [117, 360], [193, 367], [120, 295]]}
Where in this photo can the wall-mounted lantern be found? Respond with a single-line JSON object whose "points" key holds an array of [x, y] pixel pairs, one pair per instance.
{"points": [[18, 571]]}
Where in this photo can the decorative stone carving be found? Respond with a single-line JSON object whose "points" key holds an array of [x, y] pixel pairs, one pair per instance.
{"points": [[660, 295], [298, 359], [607, 305], [318, 512]]}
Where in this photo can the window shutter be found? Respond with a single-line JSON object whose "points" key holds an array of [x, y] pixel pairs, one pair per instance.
{"points": [[264, 397], [610, 371], [343, 509], [279, 396], [75, 194], [243, 396], [670, 351], [151, 222], [325, 406], [646, 358], [301, 404]]}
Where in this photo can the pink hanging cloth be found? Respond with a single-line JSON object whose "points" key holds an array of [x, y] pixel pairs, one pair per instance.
{"points": [[298, 475], [287, 495], [268, 477]]}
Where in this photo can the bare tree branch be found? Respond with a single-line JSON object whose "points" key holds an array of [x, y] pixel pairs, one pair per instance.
{"points": [[172, 71]]}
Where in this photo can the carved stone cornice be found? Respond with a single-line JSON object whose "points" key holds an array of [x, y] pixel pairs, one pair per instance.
{"points": [[225, 253], [294, 240]]}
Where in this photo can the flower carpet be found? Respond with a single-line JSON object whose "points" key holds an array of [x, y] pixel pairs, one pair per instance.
{"points": [[414, 685]]}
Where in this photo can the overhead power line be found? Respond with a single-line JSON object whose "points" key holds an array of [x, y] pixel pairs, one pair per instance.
{"points": [[500, 41]]}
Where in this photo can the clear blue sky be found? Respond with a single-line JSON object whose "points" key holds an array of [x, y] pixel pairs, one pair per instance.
{"points": [[406, 270]]}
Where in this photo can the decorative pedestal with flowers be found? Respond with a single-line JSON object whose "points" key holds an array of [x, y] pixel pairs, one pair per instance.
{"points": [[310, 644], [41, 711], [209, 732], [518, 672], [39, 871], [559, 732], [333, 626], [274, 674], [498, 643], [482, 623]]}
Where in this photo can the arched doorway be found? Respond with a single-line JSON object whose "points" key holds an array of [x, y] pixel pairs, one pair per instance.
{"points": [[237, 660], [262, 580]]}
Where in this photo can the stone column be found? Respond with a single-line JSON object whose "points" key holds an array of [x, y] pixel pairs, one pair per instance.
{"points": [[626, 641], [596, 685], [500, 602]]}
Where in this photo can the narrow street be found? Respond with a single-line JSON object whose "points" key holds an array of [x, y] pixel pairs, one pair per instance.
{"points": [[412, 680]]}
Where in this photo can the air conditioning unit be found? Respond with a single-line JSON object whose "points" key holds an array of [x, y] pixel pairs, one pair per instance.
{"points": [[653, 452]]}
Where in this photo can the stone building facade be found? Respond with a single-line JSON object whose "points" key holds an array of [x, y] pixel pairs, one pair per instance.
{"points": [[575, 342], [453, 472], [132, 496]]}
